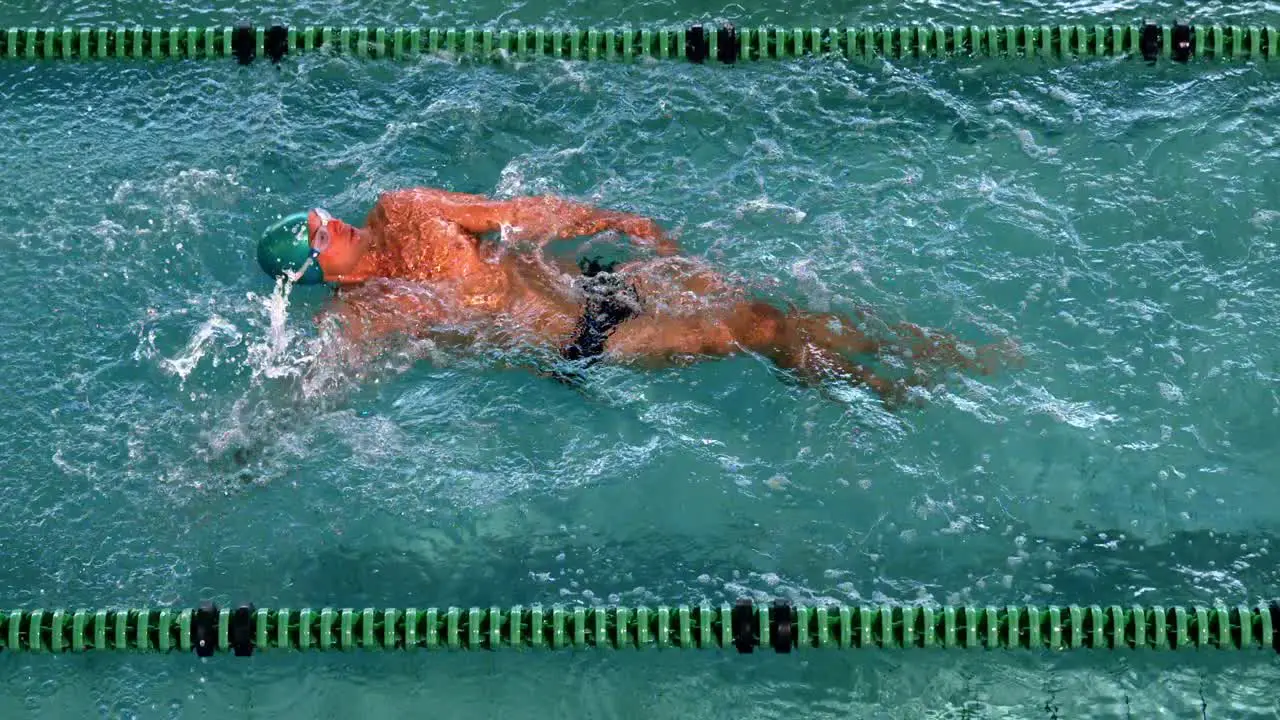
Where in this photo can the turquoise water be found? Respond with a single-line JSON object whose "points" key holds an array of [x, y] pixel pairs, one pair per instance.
{"points": [[1122, 222]]}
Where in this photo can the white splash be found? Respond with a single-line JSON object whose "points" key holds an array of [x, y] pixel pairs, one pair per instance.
{"points": [[1080, 415], [216, 327], [269, 355], [764, 205]]}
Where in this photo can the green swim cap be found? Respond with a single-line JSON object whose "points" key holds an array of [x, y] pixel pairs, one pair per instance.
{"points": [[285, 248]]}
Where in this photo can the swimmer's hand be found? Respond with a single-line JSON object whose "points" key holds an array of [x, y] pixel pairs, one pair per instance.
{"points": [[647, 233]]}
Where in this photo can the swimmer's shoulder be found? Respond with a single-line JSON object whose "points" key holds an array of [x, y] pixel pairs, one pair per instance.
{"points": [[414, 205], [396, 210]]}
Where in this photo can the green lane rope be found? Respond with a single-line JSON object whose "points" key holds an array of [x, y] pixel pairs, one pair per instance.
{"points": [[744, 627], [726, 44]]}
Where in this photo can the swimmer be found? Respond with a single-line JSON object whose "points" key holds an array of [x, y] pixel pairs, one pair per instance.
{"points": [[424, 266]]}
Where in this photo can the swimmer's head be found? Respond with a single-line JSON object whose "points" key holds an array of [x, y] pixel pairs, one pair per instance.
{"points": [[310, 248]]}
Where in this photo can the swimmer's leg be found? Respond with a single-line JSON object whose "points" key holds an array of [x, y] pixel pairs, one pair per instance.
{"points": [[834, 332], [807, 345], [916, 343], [908, 340], [817, 366], [815, 346]]}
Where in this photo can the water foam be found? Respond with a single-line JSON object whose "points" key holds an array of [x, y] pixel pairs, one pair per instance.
{"points": [[216, 329], [276, 355]]}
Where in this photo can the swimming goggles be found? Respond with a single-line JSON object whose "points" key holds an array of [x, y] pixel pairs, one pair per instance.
{"points": [[320, 241]]}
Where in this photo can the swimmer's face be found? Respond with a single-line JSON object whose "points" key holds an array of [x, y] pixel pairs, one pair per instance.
{"points": [[340, 245]]}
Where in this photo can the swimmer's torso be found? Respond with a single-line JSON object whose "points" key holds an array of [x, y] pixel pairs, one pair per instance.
{"points": [[414, 244], [411, 243]]}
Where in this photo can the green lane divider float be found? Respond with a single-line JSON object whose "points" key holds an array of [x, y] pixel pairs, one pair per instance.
{"points": [[725, 44], [742, 627]]}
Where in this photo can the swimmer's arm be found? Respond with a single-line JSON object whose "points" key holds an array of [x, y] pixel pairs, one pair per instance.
{"points": [[362, 320], [545, 218]]}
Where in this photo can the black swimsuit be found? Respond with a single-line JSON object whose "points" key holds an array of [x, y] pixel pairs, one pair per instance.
{"points": [[611, 301]]}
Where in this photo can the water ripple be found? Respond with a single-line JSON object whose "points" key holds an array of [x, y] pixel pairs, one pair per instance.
{"points": [[178, 431]]}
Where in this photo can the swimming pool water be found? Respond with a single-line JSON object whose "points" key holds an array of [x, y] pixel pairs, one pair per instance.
{"points": [[1120, 221]]}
